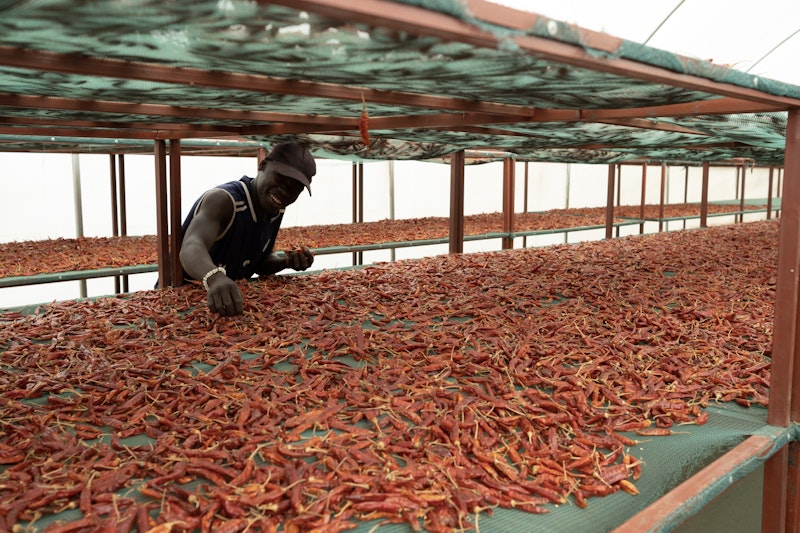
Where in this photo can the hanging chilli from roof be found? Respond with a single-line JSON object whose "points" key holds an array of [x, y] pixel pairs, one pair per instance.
{"points": [[363, 122]]}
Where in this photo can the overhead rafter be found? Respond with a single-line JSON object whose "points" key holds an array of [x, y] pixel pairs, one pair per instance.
{"points": [[421, 21], [135, 70]]}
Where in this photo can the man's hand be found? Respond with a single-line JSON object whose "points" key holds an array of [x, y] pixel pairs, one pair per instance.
{"points": [[224, 296], [299, 259]]}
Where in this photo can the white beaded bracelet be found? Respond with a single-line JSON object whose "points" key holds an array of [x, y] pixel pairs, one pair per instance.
{"points": [[211, 273]]}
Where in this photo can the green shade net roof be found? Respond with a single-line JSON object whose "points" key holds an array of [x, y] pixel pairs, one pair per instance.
{"points": [[342, 56]]}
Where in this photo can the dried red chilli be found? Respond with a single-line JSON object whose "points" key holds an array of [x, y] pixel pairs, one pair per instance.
{"points": [[491, 392], [60, 255]]}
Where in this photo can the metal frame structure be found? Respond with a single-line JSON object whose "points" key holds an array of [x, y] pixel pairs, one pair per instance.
{"points": [[781, 498]]}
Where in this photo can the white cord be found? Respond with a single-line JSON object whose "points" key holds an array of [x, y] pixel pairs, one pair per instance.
{"points": [[211, 273]]}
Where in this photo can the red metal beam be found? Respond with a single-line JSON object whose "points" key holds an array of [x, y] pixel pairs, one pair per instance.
{"points": [[124, 108], [713, 106], [136, 70]]}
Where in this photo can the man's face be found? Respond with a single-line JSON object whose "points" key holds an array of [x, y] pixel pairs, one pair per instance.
{"points": [[275, 191]]}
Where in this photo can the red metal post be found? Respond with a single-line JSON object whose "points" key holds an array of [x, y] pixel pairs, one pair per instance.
{"points": [[784, 344], [644, 199], [793, 488], [525, 202], [704, 197], [610, 202], [685, 189], [176, 235], [112, 172], [663, 197], [360, 204], [123, 210], [769, 193], [123, 201], [509, 164], [162, 222], [457, 161], [355, 204], [361, 192], [741, 193], [783, 404], [619, 190], [774, 506]]}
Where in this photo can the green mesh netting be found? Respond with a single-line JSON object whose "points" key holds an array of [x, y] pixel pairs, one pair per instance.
{"points": [[279, 42]]}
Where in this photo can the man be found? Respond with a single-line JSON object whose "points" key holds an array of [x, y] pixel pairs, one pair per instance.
{"points": [[230, 232]]}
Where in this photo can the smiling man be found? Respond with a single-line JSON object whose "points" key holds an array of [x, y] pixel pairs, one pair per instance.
{"points": [[230, 231]]}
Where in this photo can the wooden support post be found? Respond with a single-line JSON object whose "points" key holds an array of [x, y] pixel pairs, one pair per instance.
{"points": [[457, 161], [610, 202], [162, 222], [175, 220], [704, 197], [509, 164]]}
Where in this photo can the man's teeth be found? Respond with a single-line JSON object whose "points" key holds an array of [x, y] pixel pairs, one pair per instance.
{"points": [[275, 199]]}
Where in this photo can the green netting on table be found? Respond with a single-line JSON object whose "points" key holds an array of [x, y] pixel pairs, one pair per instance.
{"points": [[669, 460], [420, 391]]}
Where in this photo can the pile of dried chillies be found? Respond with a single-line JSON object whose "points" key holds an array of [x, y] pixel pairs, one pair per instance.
{"points": [[85, 253], [424, 391], [28, 258]]}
